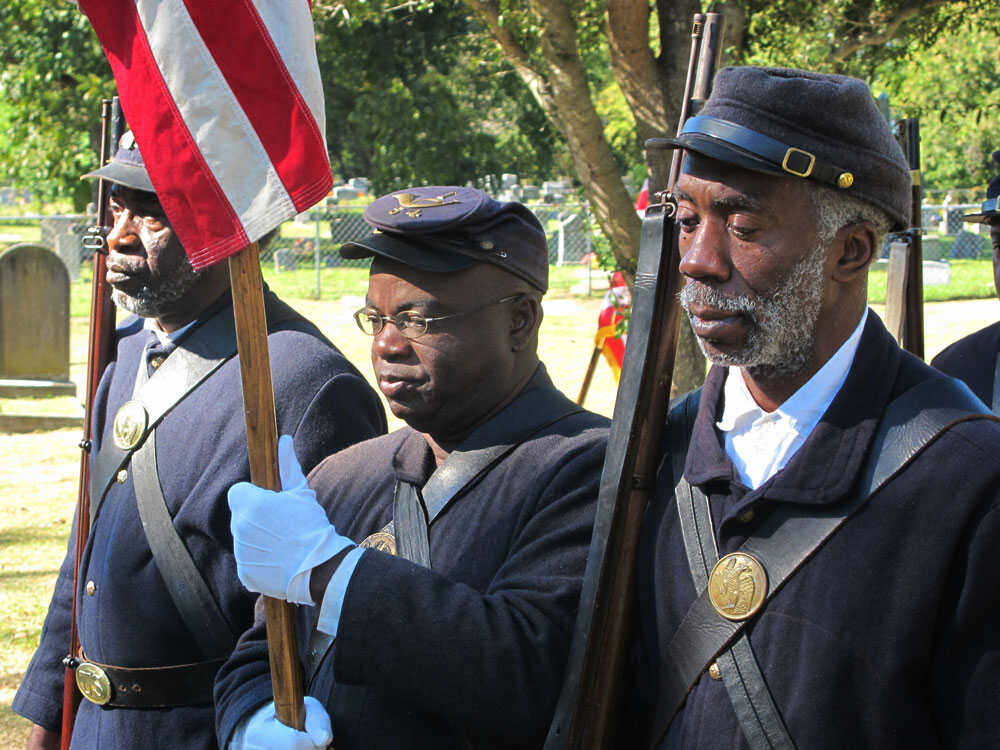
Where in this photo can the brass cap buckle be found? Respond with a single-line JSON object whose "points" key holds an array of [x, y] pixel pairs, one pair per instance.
{"points": [[803, 173]]}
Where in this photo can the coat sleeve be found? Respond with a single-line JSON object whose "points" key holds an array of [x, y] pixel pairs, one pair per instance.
{"points": [[965, 677]]}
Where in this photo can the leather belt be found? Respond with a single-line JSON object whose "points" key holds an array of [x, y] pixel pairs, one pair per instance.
{"points": [[147, 687]]}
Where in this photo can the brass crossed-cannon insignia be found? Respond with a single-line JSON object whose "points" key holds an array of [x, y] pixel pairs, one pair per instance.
{"points": [[413, 204]]}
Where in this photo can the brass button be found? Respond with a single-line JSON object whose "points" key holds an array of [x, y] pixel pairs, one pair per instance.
{"points": [[90, 588], [745, 516], [156, 361], [122, 476], [714, 672]]}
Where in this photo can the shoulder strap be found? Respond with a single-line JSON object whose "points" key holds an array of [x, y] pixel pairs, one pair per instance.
{"points": [[203, 352], [188, 590], [416, 509], [790, 536]]}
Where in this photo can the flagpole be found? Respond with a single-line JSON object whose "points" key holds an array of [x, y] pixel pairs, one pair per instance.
{"points": [[262, 448]]}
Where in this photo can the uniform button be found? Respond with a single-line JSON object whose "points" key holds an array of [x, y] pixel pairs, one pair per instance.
{"points": [[156, 361], [714, 672], [745, 516], [90, 588], [122, 476]]}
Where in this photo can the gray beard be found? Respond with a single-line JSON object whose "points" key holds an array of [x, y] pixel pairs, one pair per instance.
{"points": [[781, 338], [155, 302]]}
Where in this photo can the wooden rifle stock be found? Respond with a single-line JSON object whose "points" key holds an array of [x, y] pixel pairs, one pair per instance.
{"points": [[100, 352], [588, 712], [913, 321], [262, 447]]}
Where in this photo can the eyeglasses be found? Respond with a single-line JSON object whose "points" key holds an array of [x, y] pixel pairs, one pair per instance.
{"points": [[412, 324]]}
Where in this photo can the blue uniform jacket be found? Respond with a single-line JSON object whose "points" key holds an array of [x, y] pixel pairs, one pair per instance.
{"points": [[130, 620], [887, 637], [474, 650], [973, 359]]}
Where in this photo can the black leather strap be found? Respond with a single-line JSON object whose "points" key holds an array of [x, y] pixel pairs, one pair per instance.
{"points": [[161, 687], [791, 535], [781, 156], [410, 519], [490, 443], [188, 590]]}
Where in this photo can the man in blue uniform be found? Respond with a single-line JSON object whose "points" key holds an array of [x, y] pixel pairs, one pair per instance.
{"points": [[159, 605], [453, 615], [975, 359], [819, 571]]}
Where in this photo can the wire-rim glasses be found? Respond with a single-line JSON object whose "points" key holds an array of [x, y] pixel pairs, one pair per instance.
{"points": [[412, 324]]}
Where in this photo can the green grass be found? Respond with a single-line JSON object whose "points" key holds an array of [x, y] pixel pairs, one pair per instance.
{"points": [[970, 279]]}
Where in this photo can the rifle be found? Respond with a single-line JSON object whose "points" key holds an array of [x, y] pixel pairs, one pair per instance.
{"points": [[588, 710], [100, 352], [908, 134]]}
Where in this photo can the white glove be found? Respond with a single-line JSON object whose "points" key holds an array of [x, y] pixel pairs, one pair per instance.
{"points": [[263, 731], [279, 537]]}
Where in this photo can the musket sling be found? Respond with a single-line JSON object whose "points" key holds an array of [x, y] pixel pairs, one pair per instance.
{"points": [[995, 406], [789, 536]]}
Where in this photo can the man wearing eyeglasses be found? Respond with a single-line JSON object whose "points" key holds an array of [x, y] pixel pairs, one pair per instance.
{"points": [[975, 359], [440, 569]]}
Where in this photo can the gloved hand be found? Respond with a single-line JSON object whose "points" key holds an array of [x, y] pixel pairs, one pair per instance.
{"points": [[279, 537], [263, 731]]}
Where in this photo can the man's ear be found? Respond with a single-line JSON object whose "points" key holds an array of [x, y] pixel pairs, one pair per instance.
{"points": [[855, 249], [525, 318]]}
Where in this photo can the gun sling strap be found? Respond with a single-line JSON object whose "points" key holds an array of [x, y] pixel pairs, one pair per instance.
{"points": [[203, 351], [784, 541], [415, 509]]}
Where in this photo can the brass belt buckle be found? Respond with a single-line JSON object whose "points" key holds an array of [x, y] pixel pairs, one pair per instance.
{"points": [[93, 683], [737, 586]]}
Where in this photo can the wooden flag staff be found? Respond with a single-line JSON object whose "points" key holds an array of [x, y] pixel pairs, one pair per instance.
{"points": [[262, 448]]}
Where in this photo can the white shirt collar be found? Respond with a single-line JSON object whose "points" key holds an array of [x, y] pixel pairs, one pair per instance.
{"points": [[809, 402], [165, 338]]}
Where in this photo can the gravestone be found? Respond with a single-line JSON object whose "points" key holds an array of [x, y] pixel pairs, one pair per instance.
{"points": [[284, 259], [969, 245], [34, 323], [68, 248]]}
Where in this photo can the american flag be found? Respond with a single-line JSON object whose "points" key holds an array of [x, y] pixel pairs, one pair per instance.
{"points": [[612, 321], [226, 103]]}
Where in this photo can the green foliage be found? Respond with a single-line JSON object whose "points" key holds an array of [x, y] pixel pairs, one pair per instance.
{"points": [[414, 98], [954, 87], [54, 76]]}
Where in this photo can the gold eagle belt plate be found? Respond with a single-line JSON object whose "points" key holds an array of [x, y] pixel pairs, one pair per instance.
{"points": [[93, 683], [737, 586], [382, 541], [130, 425]]}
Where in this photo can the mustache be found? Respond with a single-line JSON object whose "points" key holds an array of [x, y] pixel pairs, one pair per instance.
{"points": [[698, 293]]}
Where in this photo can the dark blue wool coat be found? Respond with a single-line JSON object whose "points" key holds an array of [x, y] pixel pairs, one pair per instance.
{"points": [[973, 359], [888, 637], [474, 649], [130, 620]]}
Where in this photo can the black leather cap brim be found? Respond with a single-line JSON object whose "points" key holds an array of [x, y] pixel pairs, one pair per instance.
{"points": [[126, 175], [423, 257], [713, 148], [986, 218]]}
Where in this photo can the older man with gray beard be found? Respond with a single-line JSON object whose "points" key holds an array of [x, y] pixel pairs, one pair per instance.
{"points": [[816, 567], [159, 606]]}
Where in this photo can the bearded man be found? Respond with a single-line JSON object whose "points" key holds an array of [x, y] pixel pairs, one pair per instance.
{"points": [[159, 606], [816, 566]]}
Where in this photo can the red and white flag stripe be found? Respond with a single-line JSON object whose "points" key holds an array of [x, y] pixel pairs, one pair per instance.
{"points": [[226, 104]]}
